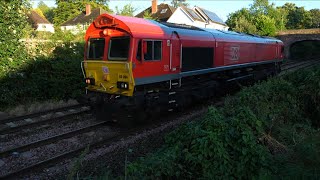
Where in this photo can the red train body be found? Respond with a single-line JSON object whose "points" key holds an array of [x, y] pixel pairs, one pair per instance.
{"points": [[132, 57]]}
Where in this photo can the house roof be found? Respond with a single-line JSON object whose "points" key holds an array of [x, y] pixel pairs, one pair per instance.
{"points": [[163, 13], [209, 15], [35, 18], [193, 14], [83, 19]]}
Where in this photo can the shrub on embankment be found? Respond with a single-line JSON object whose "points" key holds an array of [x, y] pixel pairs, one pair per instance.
{"points": [[47, 70], [54, 76], [269, 130]]}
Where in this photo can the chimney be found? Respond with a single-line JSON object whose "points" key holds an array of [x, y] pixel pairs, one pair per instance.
{"points": [[154, 7], [88, 9]]}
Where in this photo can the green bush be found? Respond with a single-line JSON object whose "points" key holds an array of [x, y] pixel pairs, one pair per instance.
{"points": [[45, 67], [217, 147], [56, 76], [262, 131], [12, 24]]}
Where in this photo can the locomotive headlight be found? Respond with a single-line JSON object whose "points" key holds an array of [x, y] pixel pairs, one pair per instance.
{"points": [[122, 85], [90, 81]]}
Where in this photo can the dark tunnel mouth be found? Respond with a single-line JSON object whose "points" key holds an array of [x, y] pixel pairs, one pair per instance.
{"points": [[305, 49]]}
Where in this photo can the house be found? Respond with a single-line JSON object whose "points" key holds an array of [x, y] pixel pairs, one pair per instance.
{"points": [[198, 17], [39, 23], [161, 12], [81, 22]]}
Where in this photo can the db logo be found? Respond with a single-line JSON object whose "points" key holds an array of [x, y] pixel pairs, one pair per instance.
{"points": [[235, 53]]}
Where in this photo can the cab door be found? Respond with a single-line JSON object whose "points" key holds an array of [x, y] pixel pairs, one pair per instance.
{"points": [[175, 53]]}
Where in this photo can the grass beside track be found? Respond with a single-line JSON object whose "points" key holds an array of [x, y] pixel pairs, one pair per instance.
{"points": [[269, 130]]}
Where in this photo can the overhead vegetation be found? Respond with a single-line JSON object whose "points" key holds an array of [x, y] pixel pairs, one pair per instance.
{"points": [[67, 9], [148, 15], [265, 19], [12, 25], [267, 131], [127, 10], [46, 11], [177, 3]]}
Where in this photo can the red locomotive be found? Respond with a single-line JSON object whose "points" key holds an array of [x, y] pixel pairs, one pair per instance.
{"points": [[136, 67]]}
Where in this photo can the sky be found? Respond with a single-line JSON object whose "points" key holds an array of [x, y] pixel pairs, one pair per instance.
{"points": [[220, 7]]}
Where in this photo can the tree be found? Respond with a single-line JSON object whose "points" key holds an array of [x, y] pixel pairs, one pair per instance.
{"points": [[50, 14], [263, 7], [177, 3], [148, 15], [261, 18], [243, 25], [315, 18], [12, 24], [260, 7], [43, 7], [233, 19], [127, 10], [280, 16], [265, 25], [39, 12], [46, 11], [298, 17], [67, 9]]}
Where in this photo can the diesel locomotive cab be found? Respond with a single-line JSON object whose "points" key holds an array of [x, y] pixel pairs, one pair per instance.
{"points": [[107, 66]]}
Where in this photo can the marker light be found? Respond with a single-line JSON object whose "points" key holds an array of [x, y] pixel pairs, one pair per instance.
{"points": [[90, 81], [105, 32], [122, 85]]}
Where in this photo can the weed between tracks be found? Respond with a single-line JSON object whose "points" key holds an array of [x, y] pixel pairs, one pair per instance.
{"points": [[77, 164], [269, 130]]}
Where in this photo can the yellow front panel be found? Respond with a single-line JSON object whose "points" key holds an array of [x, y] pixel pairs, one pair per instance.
{"points": [[107, 74]]}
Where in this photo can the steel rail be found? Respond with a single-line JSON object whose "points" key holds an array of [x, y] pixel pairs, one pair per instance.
{"points": [[302, 65], [33, 115], [46, 141], [33, 124], [69, 154]]}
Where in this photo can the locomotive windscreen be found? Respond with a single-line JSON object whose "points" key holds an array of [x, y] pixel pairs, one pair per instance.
{"points": [[119, 48], [96, 48], [195, 58]]}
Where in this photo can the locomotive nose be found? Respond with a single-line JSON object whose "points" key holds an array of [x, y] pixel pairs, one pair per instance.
{"points": [[109, 77]]}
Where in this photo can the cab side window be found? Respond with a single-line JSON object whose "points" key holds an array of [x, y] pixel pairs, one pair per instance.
{"points": [[148, 53], [139, 51], [152, 50]]}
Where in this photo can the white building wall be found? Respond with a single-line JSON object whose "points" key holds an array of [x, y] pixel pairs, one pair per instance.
{"points": [[45, 27], [180, 17], [75, 29]]}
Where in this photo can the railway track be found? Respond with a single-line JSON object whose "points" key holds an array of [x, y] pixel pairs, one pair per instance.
{"points": [[73, 152], [120, 135], [33, 120], [43, 142], [50, 139], [295, 65]]}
